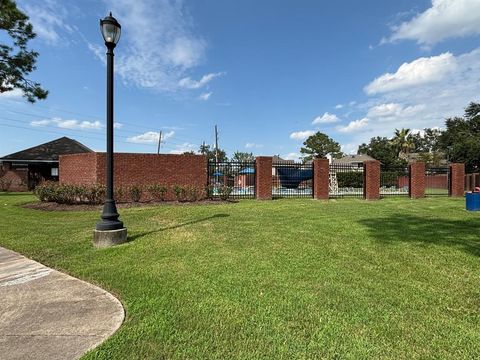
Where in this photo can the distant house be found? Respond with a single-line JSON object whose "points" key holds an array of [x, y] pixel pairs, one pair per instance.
{"points": [[355, 161], [24, 169]]}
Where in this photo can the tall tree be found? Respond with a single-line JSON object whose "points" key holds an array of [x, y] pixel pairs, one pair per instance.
{"points": [[319, 145], [383, 150], [243, 156], [210, 153], [461, 139], [403, 142], [16, 61]]}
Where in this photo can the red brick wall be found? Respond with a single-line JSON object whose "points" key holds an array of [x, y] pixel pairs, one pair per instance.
{"points": [[321, 168], [78, 169], [263, 175], [417, 180], [371, 184], [14, 179], [457, 187], [135, 169]]}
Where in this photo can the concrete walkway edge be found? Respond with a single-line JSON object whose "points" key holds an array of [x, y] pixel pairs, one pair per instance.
{"points": [[46, 314]]}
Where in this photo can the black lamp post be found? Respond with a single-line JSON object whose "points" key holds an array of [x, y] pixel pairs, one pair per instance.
{"points": [[110, 224]]}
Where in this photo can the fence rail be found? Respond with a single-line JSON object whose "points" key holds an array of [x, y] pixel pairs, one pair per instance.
{"points": [[394, 181], [292, 180], [345, 180], [437, 181], [231, 179]]}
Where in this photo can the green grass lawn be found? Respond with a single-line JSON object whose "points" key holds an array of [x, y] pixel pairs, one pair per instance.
{"points": [[284, 279]]}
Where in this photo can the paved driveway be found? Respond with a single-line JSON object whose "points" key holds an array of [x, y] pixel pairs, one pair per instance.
{"points": [[45, 314]]}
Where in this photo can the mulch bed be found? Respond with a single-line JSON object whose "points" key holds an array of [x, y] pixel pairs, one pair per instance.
{"points": [[52, 206]]}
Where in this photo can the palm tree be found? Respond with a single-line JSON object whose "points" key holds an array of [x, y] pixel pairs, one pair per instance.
{"points": [[403, 142]]}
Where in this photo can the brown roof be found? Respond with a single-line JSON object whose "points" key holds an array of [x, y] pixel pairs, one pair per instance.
{"points": [[48, 151], [349, 159]]}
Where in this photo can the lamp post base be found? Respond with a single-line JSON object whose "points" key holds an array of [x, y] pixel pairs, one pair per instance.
{"points": [[107, 238]]}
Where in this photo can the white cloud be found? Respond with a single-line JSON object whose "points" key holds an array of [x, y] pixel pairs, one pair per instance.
{"points": [[117, 125], [159, 44], [189, 83], [339, 106], [205, 96], [326, 119], [349, 148], [354, 125], [292, 156], [71, 124], [301, 135], [150, 137], [49, 20], [14, 94], [444, 19], [393, 111], [418, 72], [428, 105], [185, 147], [253, 145]]}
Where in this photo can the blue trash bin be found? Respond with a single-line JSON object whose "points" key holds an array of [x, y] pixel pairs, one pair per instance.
{"points": [[473, 201]]}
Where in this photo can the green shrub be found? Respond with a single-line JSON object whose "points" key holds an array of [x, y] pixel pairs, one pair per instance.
{"points": [[209, 191], [193, 193], [135, 193], [352, 179], [95, 194], [180, 193], [157, 192], [224, 192], [120, 194], [46, 191]]}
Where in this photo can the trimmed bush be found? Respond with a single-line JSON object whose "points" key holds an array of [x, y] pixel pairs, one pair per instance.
{"points": [[135, 193], [157, 192], [224, 192]]}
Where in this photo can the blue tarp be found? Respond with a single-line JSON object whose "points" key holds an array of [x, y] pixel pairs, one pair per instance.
{"points": [[291, 177]]}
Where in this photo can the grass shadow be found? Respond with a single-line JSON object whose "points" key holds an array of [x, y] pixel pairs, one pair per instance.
{"points": [[191, 222], [461, 234]]}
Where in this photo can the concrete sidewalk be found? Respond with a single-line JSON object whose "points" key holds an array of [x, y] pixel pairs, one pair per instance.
{"points": [[45, 314]]}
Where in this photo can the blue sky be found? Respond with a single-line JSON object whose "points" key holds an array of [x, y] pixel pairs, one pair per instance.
{"points": [[268, 73]]}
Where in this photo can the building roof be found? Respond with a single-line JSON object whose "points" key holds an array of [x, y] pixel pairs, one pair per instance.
{"points": [[48, 151], [278, 160], [350, 159]]}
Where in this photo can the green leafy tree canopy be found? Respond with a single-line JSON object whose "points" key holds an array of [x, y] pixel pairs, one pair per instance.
{"points": [[16, 60], [320, 145], [243, 156]]}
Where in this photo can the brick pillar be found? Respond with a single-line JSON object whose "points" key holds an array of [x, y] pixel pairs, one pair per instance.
{"points": [[457, 184], [416, 184], [263, 178], [321, 169], [371, 180]]}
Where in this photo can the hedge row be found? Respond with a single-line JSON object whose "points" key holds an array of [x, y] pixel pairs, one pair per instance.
{"points": [[95, 194], [352, 179]]}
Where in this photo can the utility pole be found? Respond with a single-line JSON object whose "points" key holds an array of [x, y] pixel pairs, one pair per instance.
{"points": [[216, 145], [159, 142]]}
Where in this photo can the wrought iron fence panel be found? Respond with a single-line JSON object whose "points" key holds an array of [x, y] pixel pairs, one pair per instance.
{"points": [[345, 180], [234, 180], [437, 181], [394, 180], [292, 180]]}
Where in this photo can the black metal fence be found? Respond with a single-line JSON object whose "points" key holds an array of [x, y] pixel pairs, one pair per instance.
{"points": [[345, 180], [437, 181], [394, 181], [292, 180], [231, 179]]}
